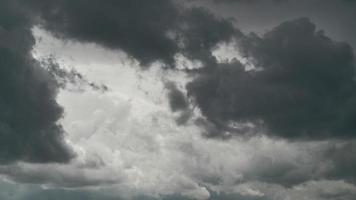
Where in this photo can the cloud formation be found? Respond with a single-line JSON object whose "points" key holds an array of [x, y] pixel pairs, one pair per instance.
{"points": [[148, 31], [29, 112], [303, 88], [291, 91]]}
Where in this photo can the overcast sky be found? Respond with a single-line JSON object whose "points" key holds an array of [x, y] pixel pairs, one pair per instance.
{"points": [[177, 100]]}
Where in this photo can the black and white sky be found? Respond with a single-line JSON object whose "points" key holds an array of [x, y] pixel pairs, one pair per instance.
{"points": [[177, 100]]}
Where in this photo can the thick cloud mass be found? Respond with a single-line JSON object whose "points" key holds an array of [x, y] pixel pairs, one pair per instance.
{"points": [[300, 85], [138, 27], [28, 109], [304, 90], [146, 30]]}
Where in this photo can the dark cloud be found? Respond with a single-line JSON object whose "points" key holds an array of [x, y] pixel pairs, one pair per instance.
{"points": [[132, 27], [201, 32], [342, 161], [68, 195], [139, 28], [28, 108], [148, 31], [305, 90], [236, 196], [330, 161], [335, 17], [178, 103], [246, 1], [177, 99]]}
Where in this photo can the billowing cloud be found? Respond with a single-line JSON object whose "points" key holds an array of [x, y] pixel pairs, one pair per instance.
{"points": [[303, 88], [128, 25], [29, 112], [148, 31], [281, 109]]}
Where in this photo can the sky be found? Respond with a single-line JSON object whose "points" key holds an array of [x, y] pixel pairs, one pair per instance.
{"points": [[177, 100]]}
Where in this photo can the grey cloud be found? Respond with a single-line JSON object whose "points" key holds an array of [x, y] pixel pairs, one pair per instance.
{"points": [[178, 103], [318, 190], [71, 77], [61, 176], [331, 160], [177, 99], [202, 31], [128, 25], [245, 1], [335, 17], [29, 111], [173, 29], [148, 31], [341, 160], [306, 89], [68, 195], [13, 191]]}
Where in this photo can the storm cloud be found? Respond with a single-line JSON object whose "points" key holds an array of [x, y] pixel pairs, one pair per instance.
{"points": [[172, 119], [303, 86], [304, 90], [148, 31], [29, 111]]}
